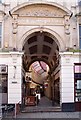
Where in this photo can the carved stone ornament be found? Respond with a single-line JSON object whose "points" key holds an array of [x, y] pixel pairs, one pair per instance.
{"points": [[67, 25], [79, 19], [40, 10], [15, 25]]}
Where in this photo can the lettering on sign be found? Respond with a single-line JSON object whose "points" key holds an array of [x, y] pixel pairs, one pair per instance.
{"points": [[67, 60], [40, 21], [14, 60]]}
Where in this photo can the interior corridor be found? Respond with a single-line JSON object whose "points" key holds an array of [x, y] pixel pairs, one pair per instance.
{"points": [[44, 105], [41, 80], [45, 102]]}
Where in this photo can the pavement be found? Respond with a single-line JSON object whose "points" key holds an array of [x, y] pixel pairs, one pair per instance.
{"points": [[44, 111], [46, 116]]}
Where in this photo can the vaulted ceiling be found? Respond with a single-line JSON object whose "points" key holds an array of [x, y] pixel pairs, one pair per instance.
{"points": [[40, 46]]}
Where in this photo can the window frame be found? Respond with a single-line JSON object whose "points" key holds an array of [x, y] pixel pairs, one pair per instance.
{"points": [[75, 83]]}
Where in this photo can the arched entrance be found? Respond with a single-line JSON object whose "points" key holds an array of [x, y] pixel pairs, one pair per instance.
{"points": [[41, 65], [39, 30]]}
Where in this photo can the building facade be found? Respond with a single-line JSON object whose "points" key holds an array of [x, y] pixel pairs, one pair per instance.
{"points": [[41, 30]]}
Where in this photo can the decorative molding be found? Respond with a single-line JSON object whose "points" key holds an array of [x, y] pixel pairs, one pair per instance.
{"points": [[67, 25], [15, 24], [40, 21], [79, 19], [41, 11]]}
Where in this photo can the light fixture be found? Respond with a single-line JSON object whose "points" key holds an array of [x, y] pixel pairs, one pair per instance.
{"points": [[45, 84], [6, 44], [28, 79], [41, 29]]}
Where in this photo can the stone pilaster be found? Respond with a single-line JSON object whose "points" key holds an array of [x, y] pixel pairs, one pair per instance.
{"points": [[14, 30], [67, 31]]}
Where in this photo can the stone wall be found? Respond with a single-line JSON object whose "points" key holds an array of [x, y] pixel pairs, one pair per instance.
{"points": [[14, 62], [67, 75]]}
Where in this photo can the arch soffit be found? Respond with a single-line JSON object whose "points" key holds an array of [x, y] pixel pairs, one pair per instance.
{"points": [[43, 2], [58, 39]]}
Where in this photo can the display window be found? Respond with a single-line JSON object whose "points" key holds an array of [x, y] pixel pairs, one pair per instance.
{"points": [[77, 79]]}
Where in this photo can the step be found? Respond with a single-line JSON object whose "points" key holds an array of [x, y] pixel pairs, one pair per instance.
{"points": [[40, 109], [41, 119], [47, 116]]}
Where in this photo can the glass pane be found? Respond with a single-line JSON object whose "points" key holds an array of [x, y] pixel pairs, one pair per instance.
{"points": [[78, 69], [0, 38], [78, 99], [78, 84], [80, 44], [80, 36], [80, 30], [77, 75], [0, 43], [79, 3]]}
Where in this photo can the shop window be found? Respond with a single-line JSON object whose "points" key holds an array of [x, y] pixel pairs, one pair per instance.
{"points": [[4, 83], [77, 77]]}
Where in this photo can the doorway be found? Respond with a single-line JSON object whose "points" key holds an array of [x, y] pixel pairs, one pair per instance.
{"points": [[40, 61]]}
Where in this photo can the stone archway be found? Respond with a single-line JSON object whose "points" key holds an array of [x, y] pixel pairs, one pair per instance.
{"points": [[44, 20], [48, 53], [42, 2], [47, 32], [52, 33], [45, 16]]}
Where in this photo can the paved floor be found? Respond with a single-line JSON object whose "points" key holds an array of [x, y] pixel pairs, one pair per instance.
{"points": [[44, 113], [45, 102], [44, 105]]}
